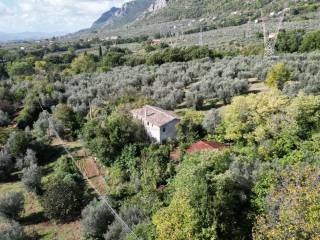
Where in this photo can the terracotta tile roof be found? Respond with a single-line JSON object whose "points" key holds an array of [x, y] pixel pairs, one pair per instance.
{"points": [[204, 145], [198, 146], [154, 115]]}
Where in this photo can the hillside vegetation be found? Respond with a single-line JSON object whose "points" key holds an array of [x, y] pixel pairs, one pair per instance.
{"points": [[260, 114]]}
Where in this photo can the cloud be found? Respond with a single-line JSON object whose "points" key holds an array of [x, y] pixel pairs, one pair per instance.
{"points": [[51, 15]]}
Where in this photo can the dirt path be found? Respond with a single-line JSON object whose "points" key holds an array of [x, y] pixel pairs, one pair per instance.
{"points": [[87, 164]]}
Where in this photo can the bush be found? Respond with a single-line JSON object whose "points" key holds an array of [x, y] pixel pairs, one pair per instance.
{"points": [[6, 164], [18, 143], [291, 205], [83, 64], [11, 230], [96, 218], [20, 68], [65, 115], [3, 72], [112, 59], [63, 198], [31, 178], [12, 204], [41, 127], [188, 131], [132, 215], [278, 75], [115, 232], [290, 41], [119, 130], [211, 120], [311, 42], [4, 118], [28, 160], [29, 113]]}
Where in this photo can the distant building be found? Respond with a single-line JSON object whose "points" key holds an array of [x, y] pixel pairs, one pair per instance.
{"points": [[160, 124], [114, 37], [155, 42], [197, 147]]}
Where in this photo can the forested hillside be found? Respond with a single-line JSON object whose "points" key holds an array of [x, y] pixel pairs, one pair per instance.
{"points": [[243, 162], [212, 14]]}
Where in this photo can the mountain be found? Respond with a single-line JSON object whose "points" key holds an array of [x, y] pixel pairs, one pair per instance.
{"points": [[105, 18], [128, 13], [146, 17], [7, 37]]}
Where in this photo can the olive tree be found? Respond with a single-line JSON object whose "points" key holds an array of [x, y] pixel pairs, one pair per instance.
{"points": [[96, 218], [6, 164], [31, 178], [28, 160], [211, 120], [12, 204], [11, 230]]}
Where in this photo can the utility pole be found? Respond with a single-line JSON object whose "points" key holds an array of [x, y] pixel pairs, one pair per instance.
{"points": [[201, 36], [270, 38]]}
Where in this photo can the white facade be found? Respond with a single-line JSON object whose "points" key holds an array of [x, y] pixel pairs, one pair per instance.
{"points": [[161, 134], [159, 124]]}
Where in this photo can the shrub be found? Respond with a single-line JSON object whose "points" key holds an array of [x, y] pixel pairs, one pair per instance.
{"points": [[112, 59], [20, 68], [11, 230], [292, 206], [29, 113], [12, 204], [278, 75], [83, 64], [115, 232], [65, 114], [188, 131], [311, 42], [119, 130], [6, 164], [18, 143], [211, 120], [63, 198], [31, 178], [28, 160], [3, 72], [290, 41], [178, 221], [96, 218], [4, 118], [41, 127], [132, 215]]}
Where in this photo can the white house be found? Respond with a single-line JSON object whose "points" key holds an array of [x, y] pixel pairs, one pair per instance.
{"points": [[160, 124]]}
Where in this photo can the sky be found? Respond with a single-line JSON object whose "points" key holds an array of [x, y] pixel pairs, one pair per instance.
{"points": [[51, 15]]}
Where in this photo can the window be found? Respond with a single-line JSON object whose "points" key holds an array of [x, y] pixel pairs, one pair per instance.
{"points": [[148, 123], [164, 130]]}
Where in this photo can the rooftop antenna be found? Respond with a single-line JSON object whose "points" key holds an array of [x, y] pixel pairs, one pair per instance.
{"points": [[270, 39]]}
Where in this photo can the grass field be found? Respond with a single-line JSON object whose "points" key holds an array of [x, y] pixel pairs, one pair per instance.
{"points": [[35, 222], [33, 218]]}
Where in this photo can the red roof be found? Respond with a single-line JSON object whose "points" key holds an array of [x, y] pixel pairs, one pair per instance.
{"points": [[198, 146], [205, 145]]}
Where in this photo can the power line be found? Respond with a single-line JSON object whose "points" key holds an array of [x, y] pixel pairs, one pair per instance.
{"points": [[271, 40], [100, 196]]}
